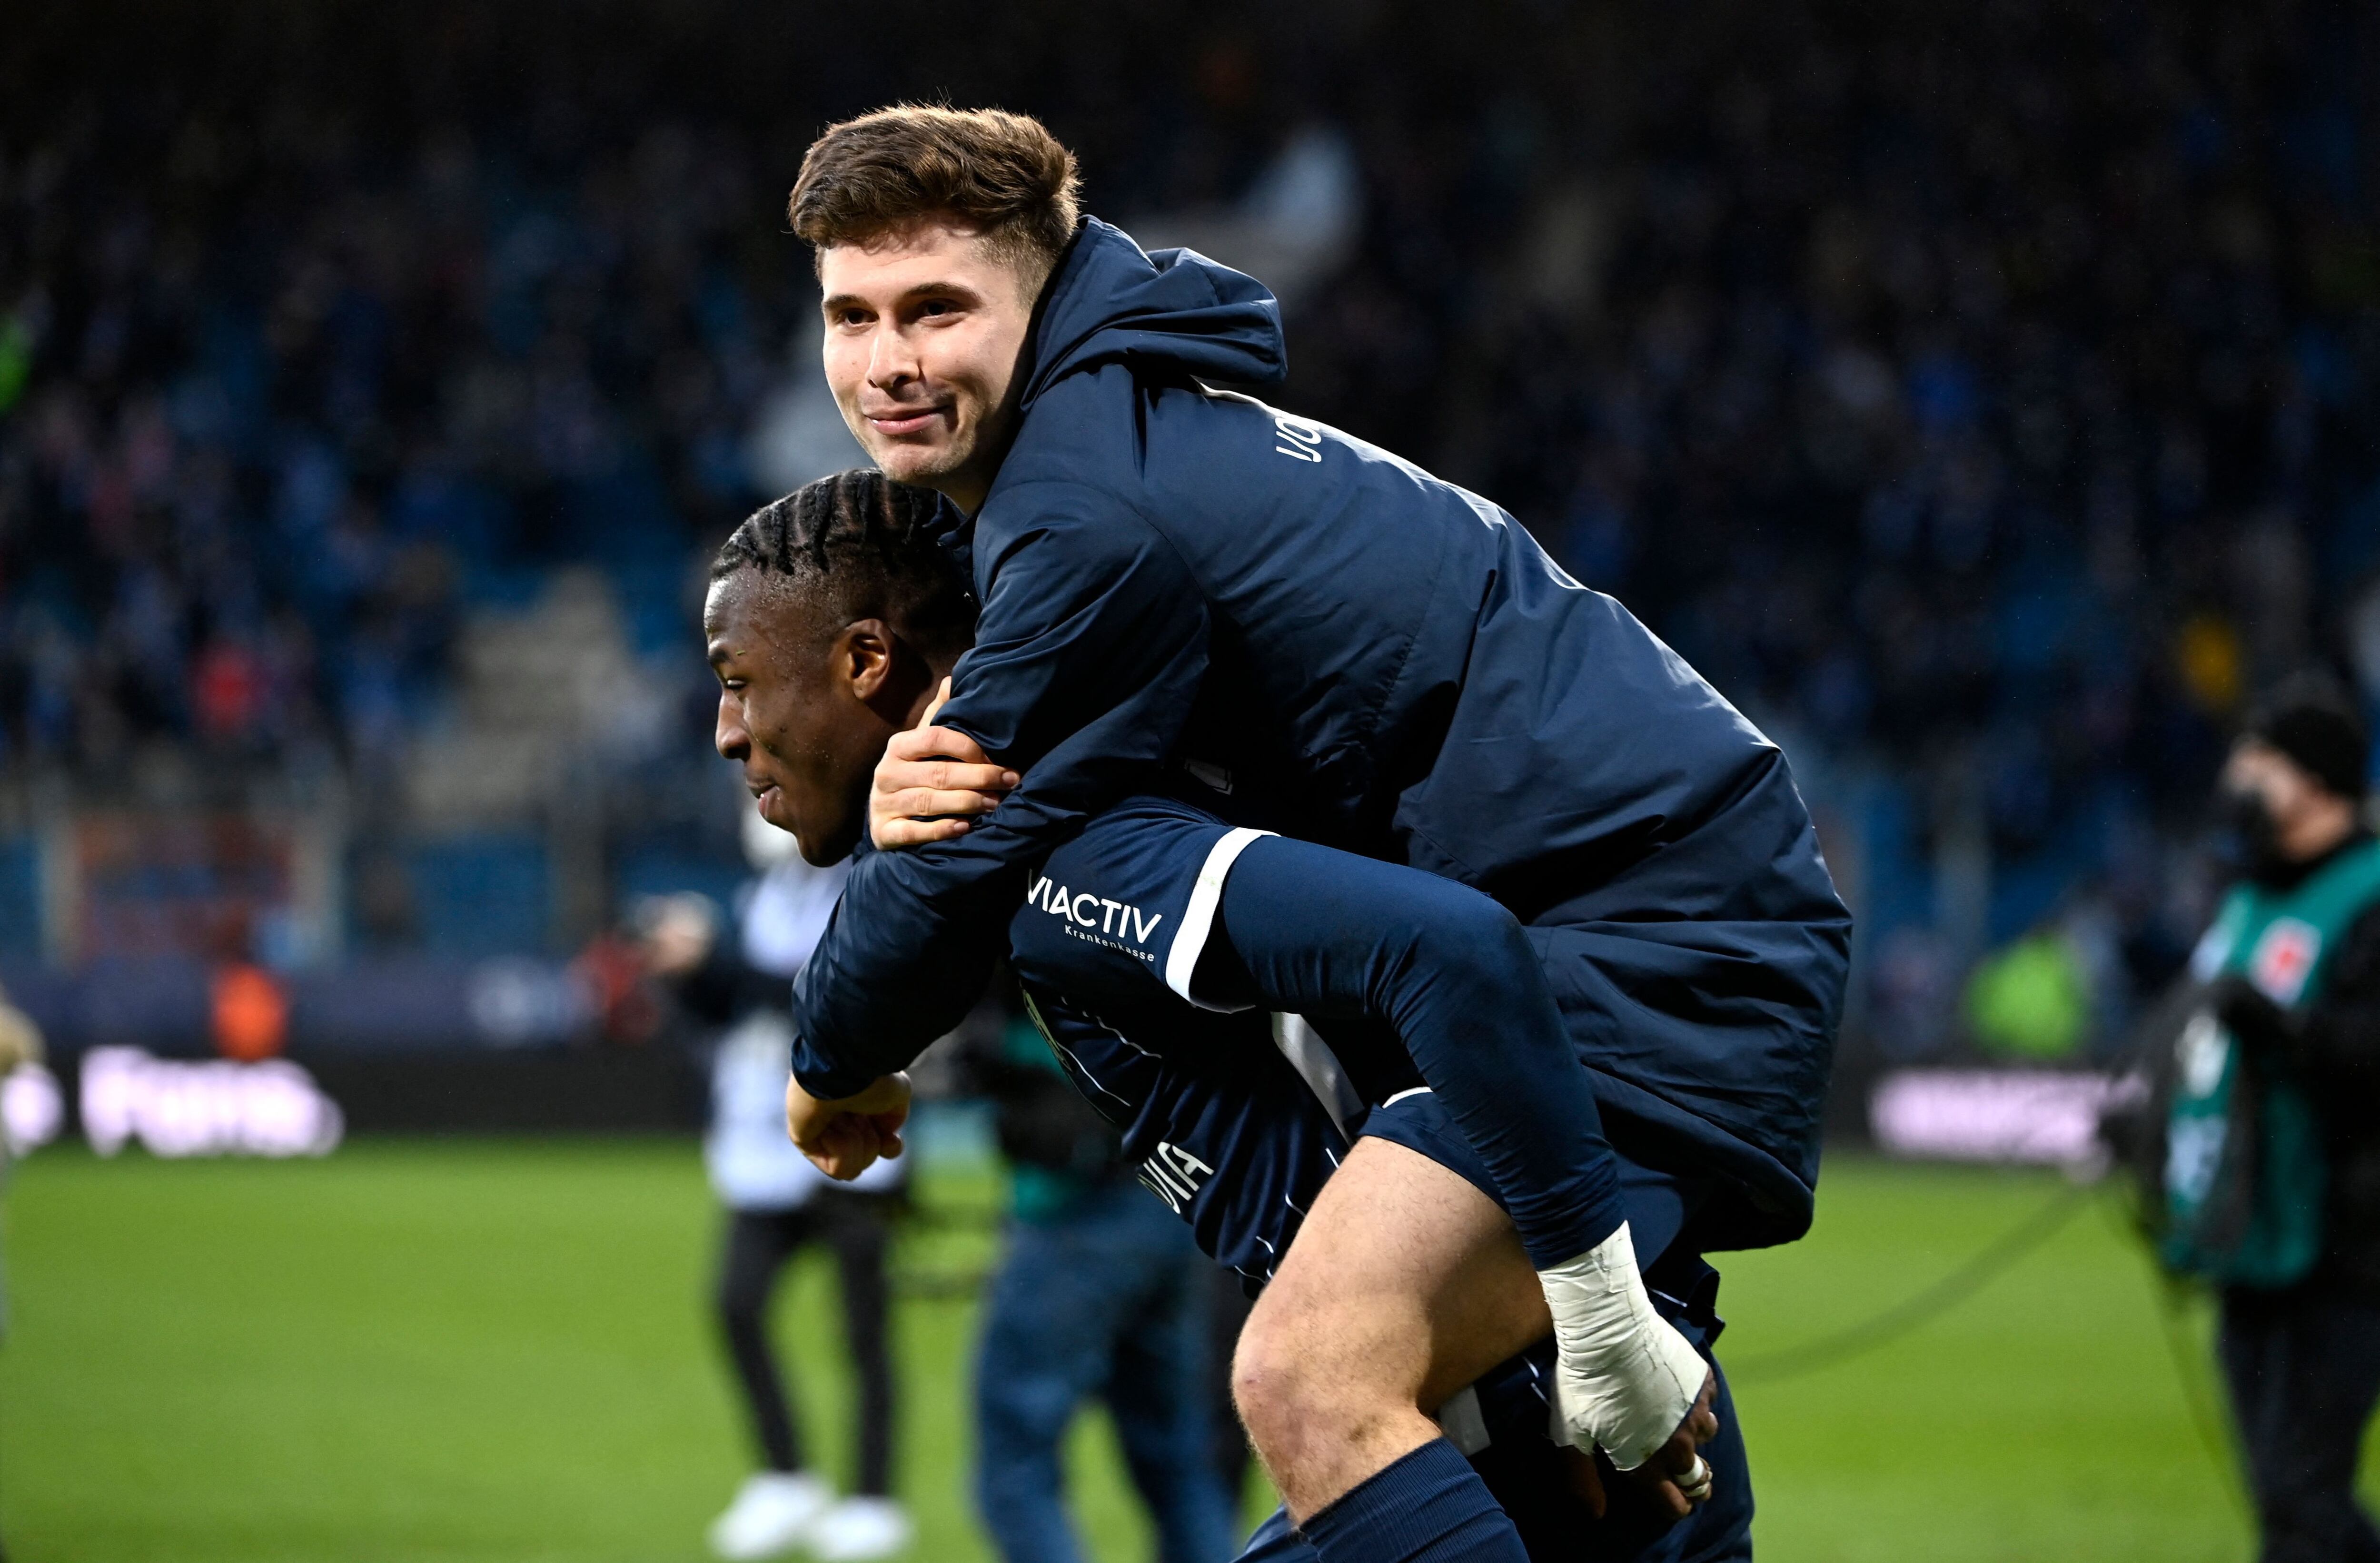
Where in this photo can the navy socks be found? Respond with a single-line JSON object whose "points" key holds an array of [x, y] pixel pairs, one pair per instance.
{"points": [[1428, 1506]]}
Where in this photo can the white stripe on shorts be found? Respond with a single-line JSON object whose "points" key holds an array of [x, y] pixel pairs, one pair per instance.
{"points": [[1318, 1067], [1199, 920]]}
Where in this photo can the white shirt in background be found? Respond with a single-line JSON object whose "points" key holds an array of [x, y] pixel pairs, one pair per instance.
{"points": [[753, 1165]]}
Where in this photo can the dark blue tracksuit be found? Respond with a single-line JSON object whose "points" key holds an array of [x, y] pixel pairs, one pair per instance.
{"points": [[1153, 947], [1412, 978], [1176, 576]]}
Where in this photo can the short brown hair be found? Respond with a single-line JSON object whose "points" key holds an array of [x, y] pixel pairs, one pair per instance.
{"points": [[1000, 174]]}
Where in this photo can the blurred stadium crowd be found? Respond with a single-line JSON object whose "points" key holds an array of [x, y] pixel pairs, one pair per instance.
{"points": [[1983, 399]]}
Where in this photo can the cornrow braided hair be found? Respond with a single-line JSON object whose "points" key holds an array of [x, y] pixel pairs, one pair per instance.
{"points": [[878, 545]]}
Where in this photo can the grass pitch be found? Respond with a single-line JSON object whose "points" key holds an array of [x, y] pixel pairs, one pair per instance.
{"points": [[498, 1351]]}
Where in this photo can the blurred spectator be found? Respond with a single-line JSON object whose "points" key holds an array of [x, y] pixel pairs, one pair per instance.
{"points": [[2032, 1000], [250, 1013], [2293, 965], [21, 1039], [1228, 1304], [21, 1043], [30, 1107], [1101, 1293], [778, 1204], [613, 966], [1991, 381]]}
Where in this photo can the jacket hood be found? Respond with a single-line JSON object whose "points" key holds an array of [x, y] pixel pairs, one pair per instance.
{"points": [[1110, 302]]}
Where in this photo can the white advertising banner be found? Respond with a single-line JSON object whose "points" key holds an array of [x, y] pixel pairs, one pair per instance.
{"points": [[176, 1107]]}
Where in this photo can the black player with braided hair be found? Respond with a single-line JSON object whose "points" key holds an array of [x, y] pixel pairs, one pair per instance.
{"points": [[831, 614], [854, 653], [858, 526], [832, 622]]}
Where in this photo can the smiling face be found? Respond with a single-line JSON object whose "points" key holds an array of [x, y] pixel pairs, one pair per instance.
{"points": [[924, 334], [805, 708]]}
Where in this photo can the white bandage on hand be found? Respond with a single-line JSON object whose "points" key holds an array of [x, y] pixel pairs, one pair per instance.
{"points": [[1625, 1379]]}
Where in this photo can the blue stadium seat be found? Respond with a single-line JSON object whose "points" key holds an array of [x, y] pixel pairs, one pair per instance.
{"points": [[482, 894]]}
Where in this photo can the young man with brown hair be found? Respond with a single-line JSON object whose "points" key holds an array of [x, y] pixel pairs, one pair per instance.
{"points": [[1177, 581]]}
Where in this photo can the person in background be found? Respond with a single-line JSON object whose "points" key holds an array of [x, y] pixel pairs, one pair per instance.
{"points": [[21, 1043], [1228, 1307], [2294, 963], [1104, 1293], [778, 1204]]}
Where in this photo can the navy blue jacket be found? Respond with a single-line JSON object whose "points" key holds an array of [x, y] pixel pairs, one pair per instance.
{"points": [[1172, 575]]}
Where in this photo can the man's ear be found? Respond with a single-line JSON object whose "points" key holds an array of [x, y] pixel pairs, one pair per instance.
{"points": [[884, 671], [865, 655]]}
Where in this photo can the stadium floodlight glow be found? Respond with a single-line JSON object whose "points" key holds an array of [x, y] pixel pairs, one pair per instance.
{"points": [[211, 1107]]}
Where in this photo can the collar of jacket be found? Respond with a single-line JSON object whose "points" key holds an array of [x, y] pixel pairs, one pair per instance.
{"points": [[1172, 312]]}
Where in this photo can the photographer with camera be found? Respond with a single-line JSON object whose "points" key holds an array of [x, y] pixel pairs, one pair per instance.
{"points": [[2272, 1165]]}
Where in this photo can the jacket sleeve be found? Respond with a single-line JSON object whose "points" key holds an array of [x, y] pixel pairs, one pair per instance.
{"points": [[1091, 644], [2339, 1046]]}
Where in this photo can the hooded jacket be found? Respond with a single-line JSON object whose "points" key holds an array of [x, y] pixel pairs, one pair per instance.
{"points": [[1180, 578]]}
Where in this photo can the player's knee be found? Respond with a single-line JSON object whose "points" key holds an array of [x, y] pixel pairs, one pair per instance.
{"points": [[1269, 1389], [1469, 937], [1272, 1372], [1291, 1385]]}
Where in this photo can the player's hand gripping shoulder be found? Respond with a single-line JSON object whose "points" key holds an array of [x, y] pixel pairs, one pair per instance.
{"points": [[1626, 1380], [931, 783], [846, 1136]]}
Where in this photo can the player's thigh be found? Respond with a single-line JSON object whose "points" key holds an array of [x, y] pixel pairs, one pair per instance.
{"points": [[1405, 1282]]}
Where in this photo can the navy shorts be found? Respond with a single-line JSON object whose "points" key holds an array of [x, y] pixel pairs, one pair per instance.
{"points": [[1235, 1117], [1106, 946]]}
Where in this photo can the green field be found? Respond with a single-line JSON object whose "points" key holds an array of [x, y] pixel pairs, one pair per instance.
{"points": [[433, 1350]]}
